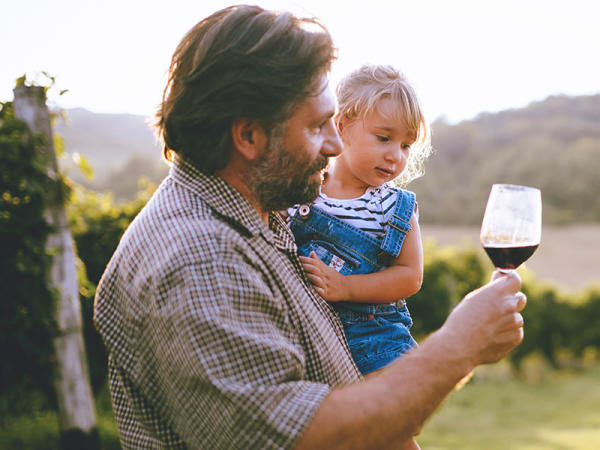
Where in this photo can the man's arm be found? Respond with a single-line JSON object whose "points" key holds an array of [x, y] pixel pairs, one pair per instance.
{"points": [[226, 364], [390, 407]]}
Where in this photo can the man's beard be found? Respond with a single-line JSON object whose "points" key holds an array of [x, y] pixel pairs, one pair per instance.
{"points": [[279, 180]]}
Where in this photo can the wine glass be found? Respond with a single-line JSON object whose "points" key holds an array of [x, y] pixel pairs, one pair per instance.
{"points": [[512, 225]]}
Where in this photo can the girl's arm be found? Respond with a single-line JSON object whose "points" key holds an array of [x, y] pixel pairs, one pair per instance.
{"points": [[400, 280]]}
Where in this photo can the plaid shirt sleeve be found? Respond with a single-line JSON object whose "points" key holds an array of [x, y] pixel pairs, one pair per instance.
{"points": [[227, 359]]}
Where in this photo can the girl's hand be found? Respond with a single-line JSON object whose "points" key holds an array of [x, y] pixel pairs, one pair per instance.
{"points": [[328, 282]]}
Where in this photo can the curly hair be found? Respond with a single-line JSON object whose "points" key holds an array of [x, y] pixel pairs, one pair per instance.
{"points": [[240, 62], [358, 94]]}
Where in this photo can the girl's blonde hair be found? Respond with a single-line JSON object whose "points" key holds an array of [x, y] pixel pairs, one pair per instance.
{"points": [[358, 95]]}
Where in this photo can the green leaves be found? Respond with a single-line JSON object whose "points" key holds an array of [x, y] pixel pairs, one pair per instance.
{"points": [[27, 306], [21, 80], [83, 165]]}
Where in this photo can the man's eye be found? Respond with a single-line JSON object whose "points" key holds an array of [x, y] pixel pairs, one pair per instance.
{"points": [[322, 125]]}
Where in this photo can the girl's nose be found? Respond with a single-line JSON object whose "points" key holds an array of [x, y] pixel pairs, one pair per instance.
{"points": [[395, 154]]}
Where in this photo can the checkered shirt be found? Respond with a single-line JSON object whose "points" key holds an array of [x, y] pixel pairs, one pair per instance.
{"points": [[215, 338]]}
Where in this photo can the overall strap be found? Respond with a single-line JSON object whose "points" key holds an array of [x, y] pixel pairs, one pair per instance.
{"points": [[398, 226]]}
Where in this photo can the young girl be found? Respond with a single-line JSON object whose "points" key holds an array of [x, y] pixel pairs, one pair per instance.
{"points": [[360, 241]]}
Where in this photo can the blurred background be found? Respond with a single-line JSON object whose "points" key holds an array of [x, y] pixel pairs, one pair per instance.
{"points": [[512, 92]]}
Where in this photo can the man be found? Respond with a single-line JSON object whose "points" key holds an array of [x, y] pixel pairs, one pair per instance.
{"points": [[215, 337]]}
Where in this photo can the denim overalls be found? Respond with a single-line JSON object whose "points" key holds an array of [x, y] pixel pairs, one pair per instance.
{"points": [[376, 333]]}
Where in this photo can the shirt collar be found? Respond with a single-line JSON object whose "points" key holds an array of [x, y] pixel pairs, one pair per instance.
{"points": [[230, 203]]}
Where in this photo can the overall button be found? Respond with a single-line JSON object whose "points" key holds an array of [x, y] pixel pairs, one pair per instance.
{"points": [[304, 211]]}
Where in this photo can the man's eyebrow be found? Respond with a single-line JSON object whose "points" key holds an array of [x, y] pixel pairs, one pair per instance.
{"points": [[325, 115]]}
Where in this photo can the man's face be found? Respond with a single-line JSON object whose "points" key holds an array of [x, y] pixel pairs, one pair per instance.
{"points": [[290, 169]]}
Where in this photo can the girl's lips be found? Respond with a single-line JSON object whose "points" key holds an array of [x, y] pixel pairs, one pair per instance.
{"points": [[384, 172]]}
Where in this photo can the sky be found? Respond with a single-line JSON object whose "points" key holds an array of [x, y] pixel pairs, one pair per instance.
{"points": [[463, 57]]}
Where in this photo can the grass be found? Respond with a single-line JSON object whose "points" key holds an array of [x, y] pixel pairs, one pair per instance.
{"points": [[557, 411], [41, 431], [560, 412]]}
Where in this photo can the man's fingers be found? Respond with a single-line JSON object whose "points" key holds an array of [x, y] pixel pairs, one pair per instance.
{"points": [[510, 338], [497, 274], [514, 303], [521, 301], [510, 281], [510, 322]]}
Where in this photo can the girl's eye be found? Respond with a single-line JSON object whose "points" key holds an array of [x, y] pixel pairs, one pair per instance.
{"points": [[383, 138], [405, 146]]}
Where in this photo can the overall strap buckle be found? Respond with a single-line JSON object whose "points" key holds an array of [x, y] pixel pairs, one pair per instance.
{"points": [[398, 226]]}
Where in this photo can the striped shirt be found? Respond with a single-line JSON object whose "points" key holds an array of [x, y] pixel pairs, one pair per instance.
{"points": [[369, 212]]}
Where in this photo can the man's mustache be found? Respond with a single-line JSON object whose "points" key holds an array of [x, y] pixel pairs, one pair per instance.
{"points": [[321, 163]]}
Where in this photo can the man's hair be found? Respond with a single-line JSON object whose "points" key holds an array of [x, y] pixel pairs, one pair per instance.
{"points": [[240, 62], [359, 93]]}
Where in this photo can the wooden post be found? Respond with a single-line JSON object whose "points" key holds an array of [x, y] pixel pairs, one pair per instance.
{"points": [[77, 417]]}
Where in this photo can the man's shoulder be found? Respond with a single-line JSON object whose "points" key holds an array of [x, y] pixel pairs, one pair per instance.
{"points": [[177, 221], [174, 208]]}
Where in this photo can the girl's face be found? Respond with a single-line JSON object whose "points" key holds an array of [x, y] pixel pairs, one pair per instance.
{"points": [[376, 149]]}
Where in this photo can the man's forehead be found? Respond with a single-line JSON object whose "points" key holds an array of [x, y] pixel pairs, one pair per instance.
{"points": [[322, 101]]}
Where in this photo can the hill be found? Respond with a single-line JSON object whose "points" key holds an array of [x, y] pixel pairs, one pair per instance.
{"points": [[121, 149], [552, 144]]}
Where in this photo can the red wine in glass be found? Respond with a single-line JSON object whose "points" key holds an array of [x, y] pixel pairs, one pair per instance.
{"points": [[512, 225], [510, 257]]}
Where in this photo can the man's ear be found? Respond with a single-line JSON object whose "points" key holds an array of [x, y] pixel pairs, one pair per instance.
{"points": [[249, 138]]}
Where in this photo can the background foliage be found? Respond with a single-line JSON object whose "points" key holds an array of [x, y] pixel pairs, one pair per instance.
{"points": [[97, 224], [26, 306], [557, 323]]}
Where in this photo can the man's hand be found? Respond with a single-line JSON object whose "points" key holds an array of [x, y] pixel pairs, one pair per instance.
{"points": [[488, 323], [390, 406], [328, 282]]}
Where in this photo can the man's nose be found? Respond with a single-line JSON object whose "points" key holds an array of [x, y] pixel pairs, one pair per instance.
{"points": [[333, 144]]}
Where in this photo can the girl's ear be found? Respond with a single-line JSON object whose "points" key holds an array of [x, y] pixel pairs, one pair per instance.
{"points": [[339, 124], [249, 138], [342, 125]]}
